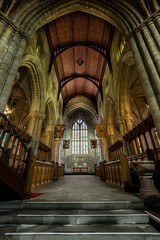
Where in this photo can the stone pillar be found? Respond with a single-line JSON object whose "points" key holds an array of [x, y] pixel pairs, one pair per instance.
{"points": [[105, 151], [110, 134], [129, 122], [34, 129], [124, 123], [48, 139], [56, 153], [12, 44], [145, 45], [120, 122]]}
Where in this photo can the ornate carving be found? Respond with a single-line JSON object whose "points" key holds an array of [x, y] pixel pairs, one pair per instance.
{"points": [[80, 61]]}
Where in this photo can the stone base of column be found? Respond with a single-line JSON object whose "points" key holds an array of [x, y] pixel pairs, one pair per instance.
{"points": [[148, 188]]}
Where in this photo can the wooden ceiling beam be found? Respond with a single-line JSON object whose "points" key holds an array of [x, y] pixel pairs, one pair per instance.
{"points": [[100, 49], [94, 80]]}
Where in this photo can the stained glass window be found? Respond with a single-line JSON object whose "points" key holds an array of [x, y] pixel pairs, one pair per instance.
{"points": [[79, 137]]}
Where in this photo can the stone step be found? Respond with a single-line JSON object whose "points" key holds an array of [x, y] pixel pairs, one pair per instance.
{"points": [[76, 228], [74, 217], [127, 231], [82, 236], [73, 205]]}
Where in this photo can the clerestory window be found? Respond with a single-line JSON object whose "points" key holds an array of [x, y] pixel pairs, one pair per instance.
{"points": [[79, 137]]}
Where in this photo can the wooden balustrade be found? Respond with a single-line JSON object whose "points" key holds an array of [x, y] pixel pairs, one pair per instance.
{"points": [[144, 144], [13, 149], [97, 171], [15, 157], [113, 174], [43, 174], [143, 137], [43, 152], [60, 171], [115, 150]]}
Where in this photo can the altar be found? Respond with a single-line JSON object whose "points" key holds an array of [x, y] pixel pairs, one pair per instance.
{"points": [[80, 169], [80, 166]]}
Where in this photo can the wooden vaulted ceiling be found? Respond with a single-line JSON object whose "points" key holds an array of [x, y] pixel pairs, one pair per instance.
{"points": [[80, 50]]}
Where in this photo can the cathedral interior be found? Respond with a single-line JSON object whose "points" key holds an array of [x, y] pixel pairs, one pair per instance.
{"points": [[80, 105]]}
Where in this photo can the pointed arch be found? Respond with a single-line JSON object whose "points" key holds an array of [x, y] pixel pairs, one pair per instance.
{"points": [[123, 15], [51, 112], [37, 83]]}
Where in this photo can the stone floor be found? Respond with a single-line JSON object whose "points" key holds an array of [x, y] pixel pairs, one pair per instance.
{"points": [[82, 188]]}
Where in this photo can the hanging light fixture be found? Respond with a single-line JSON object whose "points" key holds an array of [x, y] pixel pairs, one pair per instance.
{"points": [[10, 107]]}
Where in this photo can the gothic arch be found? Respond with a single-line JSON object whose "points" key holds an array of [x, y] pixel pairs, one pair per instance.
{"points": [[123, 15], [79, 102], [38, 88], [123, 84], [51, 112]]}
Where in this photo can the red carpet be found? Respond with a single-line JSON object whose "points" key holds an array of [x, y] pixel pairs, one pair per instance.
{"points": [[33, 195]]}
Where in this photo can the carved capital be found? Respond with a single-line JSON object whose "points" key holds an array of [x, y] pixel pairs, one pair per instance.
{"points": [[35, 114]]}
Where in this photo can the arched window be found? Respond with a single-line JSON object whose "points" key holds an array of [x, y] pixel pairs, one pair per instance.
{"points": [[79, 137]]}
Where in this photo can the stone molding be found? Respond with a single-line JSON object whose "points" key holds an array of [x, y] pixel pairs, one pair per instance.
{"points": [[36, 114], [10, 24], [124, 118], [151, 19]]}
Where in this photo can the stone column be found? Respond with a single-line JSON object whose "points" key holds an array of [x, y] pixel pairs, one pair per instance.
{"points": [[110, 133], [120, 122], [129, 122], [105, 151], [34, 129], [57, 143], [12, 44], [48, 139], [123, 129], [145, 45]]}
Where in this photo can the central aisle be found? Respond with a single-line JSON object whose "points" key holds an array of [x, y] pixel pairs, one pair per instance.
{"points": [[77, 208], [77, 188]]}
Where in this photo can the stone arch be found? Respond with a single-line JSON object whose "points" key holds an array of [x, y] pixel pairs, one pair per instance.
{"points": [[126, 89], [49, 122], [123, 84], [123, 15], [51, 112], [110, 120], [110, 111], [79, 102], [38, 88]]}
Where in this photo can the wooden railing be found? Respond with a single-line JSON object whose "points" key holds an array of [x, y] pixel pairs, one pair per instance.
{"points": [[43, 174], [97, 171], [15, 157], [16, 160], [43, 152], [113, 174], [115, 150], [142, 137], [60, 171], [100, 170], [144, 145]]}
